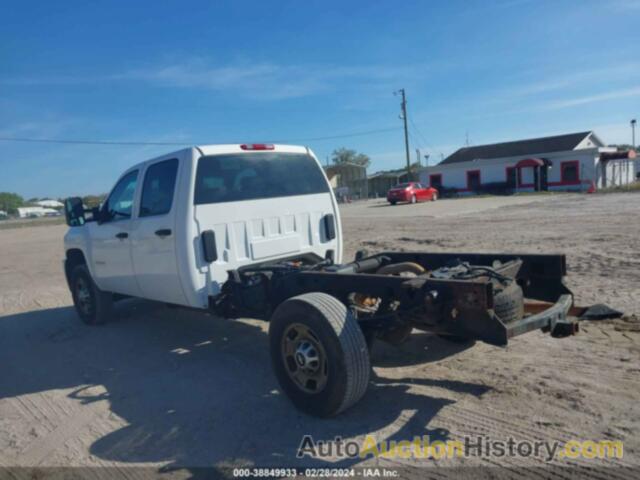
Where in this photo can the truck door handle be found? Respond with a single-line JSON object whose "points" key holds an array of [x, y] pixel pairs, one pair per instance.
{"points": [[122, 235], [163, 232]]}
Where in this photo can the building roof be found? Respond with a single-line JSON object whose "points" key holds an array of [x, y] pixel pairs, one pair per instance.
{"points": [[49, 203], [28, 210], [557, 143], [388, 174]]}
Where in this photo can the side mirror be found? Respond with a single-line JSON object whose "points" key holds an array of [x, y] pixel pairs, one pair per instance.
{"points": [[74, 212], [209, 246], [330, 226], [96, 214]]}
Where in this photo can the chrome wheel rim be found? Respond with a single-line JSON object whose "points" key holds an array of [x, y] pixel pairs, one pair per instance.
{"points": [[83, 295], [304, 358]]}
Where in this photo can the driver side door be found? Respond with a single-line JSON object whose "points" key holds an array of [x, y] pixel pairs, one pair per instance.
{"points": [[111, 239]]}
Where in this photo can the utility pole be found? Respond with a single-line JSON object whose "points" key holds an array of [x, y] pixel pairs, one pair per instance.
{"points": [[403, 105], [633, 133], [418, 161]]}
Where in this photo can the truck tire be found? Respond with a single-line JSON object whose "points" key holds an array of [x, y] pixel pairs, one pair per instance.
{"points": [[92, 304], [454, 338], [319, 354], [508, 303]]}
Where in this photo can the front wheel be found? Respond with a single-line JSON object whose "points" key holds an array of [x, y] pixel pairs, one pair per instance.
{"points": [[434, 197], [413, 199], [92, 304], [319, 354]]}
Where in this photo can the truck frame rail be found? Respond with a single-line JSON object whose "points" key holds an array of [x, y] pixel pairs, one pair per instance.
{"points": [[456, 307]]}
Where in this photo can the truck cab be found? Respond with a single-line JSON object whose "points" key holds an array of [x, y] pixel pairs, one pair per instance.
{"points": [[257, 203]]}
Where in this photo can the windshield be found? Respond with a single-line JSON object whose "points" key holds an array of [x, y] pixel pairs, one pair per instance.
{"points": [[250, 176], [402, 185]]}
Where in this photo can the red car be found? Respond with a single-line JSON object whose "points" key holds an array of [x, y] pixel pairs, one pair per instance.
{"points": [[411, 192]]}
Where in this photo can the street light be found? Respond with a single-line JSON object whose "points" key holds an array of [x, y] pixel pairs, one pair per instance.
{"points": [[633, 133]]}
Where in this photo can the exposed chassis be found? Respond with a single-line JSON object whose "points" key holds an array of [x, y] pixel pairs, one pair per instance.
{"points": [[463, 308]]}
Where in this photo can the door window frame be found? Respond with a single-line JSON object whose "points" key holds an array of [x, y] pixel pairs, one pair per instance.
{"points": [[119, 218], [173, 194]]}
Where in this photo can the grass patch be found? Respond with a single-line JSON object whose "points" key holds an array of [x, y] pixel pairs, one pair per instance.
{"points": [[630, 188]]}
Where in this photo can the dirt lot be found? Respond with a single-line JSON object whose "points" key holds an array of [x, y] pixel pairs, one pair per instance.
{"points": [[170, 388]]}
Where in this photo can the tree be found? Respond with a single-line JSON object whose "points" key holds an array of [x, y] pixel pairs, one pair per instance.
{"points": [[346, 155], [91, 201], [9, 202]]}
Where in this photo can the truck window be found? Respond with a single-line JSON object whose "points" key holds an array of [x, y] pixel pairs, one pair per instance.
{"points": [[120, 202], [250, 176], [158, 187]]}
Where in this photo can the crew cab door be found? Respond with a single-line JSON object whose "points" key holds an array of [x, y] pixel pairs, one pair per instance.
{"points": [[111, 239], [153, 236]]}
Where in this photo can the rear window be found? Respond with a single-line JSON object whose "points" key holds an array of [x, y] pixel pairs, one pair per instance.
{"points": [[250, 176]]}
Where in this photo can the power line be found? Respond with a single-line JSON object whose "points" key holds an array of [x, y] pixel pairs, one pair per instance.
{"points": [[83, 142], [415, 127], [346, 135], [142, 143], [403, 117]]}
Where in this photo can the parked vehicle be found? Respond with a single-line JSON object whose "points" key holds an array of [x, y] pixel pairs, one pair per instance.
{"points": [[254, 231], [411, 192]]}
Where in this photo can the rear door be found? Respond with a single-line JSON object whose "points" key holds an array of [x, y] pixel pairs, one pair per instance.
{"points": [[264, 206], [153, 236], [421, 193], [111, 239]]}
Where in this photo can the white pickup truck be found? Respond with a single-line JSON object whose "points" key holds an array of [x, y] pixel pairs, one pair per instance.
{"points": [[253, 230]]}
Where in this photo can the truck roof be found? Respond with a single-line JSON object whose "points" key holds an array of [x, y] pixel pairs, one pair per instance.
{"points": [[248, 147], [220, 149]]}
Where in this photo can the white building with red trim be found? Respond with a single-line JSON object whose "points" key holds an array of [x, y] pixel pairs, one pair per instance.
{"points": [[577, 161]]}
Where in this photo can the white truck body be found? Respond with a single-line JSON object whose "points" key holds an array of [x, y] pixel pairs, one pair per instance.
{"points": [[159, 256]]}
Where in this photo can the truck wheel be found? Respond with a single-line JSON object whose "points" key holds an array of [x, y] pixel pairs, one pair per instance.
{"points": [[92, 304], [508, 303], [392, 202], [319, 354], [454, 338]]}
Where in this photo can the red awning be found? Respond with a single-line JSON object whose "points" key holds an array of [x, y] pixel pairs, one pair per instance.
{"points": [[530, 162]]}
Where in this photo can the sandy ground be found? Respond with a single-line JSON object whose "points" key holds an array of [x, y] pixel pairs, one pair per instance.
{"points": [[173, 390]]}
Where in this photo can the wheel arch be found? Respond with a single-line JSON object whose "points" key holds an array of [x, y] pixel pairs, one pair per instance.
{"points": [[73, 258]]}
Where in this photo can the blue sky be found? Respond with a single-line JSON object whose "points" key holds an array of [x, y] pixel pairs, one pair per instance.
{"points": [[218, 72]]}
